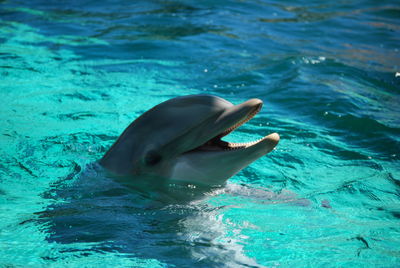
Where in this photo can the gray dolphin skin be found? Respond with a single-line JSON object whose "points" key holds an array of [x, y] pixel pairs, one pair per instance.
{"points": [[180, 140]]}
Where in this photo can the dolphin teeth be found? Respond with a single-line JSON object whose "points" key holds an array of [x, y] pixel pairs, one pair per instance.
{"points": [[242, 145]]}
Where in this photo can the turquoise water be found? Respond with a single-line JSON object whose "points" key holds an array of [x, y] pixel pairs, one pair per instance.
{"points": [[74, 74]]}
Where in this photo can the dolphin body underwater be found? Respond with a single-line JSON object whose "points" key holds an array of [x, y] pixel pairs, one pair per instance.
{"points": [[180, 140]]}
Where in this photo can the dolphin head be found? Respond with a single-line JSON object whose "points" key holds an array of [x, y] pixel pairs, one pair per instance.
{"points": [[181, 140]]}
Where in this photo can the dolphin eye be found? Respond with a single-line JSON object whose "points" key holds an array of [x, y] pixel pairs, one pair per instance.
{"points": [[152, 158]]}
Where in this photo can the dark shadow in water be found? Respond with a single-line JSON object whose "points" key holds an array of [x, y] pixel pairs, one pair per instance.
{"points": [[143, 220]]}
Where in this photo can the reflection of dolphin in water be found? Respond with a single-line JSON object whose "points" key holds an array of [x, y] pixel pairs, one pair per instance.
{"points": [[180, 139], [93, 214]]}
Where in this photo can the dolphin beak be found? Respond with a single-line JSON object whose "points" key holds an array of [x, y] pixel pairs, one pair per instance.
{"points": [[216, 160], [230, 120]]}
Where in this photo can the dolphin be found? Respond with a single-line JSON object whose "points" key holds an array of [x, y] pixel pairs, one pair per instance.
{"points": [[180, 140]]}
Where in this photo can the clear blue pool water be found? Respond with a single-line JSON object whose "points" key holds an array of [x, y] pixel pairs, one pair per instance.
{"points": [[74, 74]]}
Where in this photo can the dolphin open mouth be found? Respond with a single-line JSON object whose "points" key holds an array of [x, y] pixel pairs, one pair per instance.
{"points": [[217, 144]]}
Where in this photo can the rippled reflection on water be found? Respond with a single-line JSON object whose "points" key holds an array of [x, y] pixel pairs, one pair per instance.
{"points": [[171, 224]]}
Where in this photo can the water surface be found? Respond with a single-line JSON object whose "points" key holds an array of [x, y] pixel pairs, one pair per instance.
{"points": [[74, 74]]}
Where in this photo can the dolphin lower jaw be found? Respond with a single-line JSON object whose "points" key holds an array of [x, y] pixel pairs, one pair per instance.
{"points": [[214, 167], [219, 145]]}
